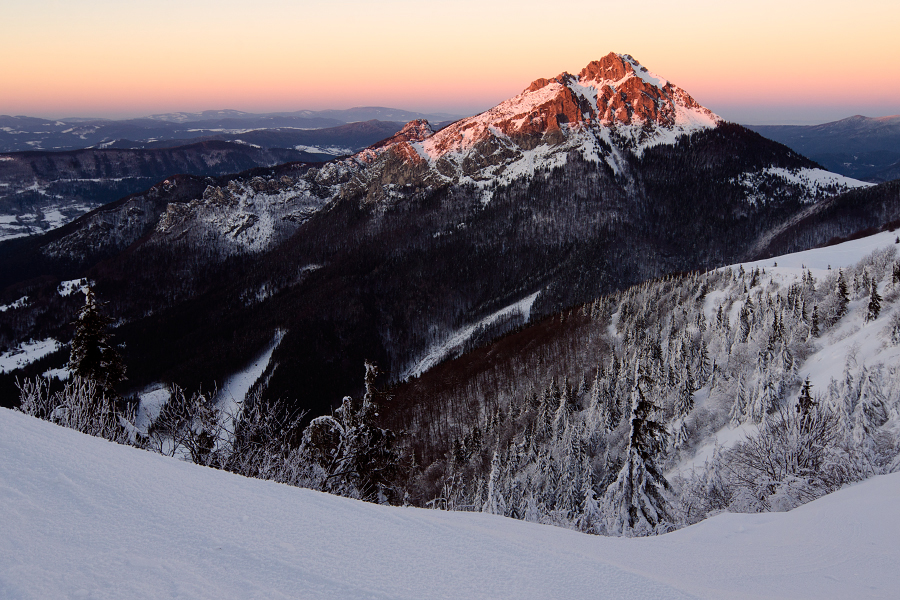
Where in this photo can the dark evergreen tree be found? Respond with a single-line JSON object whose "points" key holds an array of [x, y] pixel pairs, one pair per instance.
{"points": [[357, 457], [814, 322], [92, 355], [874, 302], [684, 403], [746, 315], [704, 368], [843, 294], [805, 402]]}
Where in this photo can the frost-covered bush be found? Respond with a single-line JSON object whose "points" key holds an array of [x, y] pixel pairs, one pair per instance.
{"points": [[793, 459], [82, 405]]}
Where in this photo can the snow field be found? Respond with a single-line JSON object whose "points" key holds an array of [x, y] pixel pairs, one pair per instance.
{"points": [[86, 518], [27, 353]]}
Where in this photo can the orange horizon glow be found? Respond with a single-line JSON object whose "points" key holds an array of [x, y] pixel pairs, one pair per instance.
{"points": [[106, 59]]}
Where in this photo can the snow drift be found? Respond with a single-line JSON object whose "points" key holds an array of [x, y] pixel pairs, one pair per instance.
{"points": [[83, 517]]}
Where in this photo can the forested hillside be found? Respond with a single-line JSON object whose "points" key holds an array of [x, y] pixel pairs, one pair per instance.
{"points": [[303, 250], [752, 388], [541, 425]]}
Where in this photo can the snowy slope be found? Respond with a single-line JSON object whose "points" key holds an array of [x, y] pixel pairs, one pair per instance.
{"points": [[852, 346], [83, 517], [855, 340], [455, 342], [27, 353], [811, 183]]}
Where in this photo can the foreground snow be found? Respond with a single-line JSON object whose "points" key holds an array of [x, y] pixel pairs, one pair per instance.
{"points": [[85, 518]]}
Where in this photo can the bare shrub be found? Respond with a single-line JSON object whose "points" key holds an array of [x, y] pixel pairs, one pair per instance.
{"points": [[82, 405]]}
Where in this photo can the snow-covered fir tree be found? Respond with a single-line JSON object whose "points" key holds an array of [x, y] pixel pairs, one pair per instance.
{"points": [[635, 503]]}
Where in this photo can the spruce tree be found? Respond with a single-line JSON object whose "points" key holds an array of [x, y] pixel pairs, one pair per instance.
{"points": [[814, 325], [843, 294], [495, 504], [739, 407], [684, 403], [635, 502], [92, 356], [703, 366], [367, 465], [805, 403], [874, 302]]}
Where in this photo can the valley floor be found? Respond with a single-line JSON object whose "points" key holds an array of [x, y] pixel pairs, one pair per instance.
{"points": [[85, 518]]}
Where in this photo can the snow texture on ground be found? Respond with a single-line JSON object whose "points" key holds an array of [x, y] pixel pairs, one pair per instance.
{"points": [[85, 518], [837, 256], [62, 374], [151, 402]]}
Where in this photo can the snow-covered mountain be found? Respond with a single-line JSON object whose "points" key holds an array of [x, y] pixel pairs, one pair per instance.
{"points": [[610, 113], [87, 518], [612, 105], [576, 187]]}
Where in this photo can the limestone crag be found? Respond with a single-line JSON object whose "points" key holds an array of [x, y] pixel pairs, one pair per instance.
{"points": [[613, 105]]}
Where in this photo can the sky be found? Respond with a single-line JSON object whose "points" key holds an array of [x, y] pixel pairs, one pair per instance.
{"points": [[770, 61]]}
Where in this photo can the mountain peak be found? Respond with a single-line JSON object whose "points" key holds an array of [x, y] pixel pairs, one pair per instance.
{"points": [[415, 131], [614, 96], [611, 67]]}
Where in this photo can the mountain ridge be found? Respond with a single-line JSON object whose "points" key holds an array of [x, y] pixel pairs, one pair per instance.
{"points": [[417, 247], [862, 147]]}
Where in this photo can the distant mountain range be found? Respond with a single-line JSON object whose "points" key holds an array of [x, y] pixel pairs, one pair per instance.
{"points": [[41, 189], [860, 147], [165, 130], [52, 171]]}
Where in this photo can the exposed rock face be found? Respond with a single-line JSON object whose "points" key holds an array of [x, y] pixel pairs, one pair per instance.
{"points": [[614, 105], [248, 215], [414, 131], [116, 226]]}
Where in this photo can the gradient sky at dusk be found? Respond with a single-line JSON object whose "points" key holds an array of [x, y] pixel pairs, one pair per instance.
{"points": [[768, 61]]}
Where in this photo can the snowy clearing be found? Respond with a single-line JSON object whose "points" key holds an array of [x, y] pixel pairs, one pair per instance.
{"points": [[86, 518], [151, 402], [20, 303], [26, 353], [62, 374], [454, 343], [67, 288], [840, 255], [816, 182], [236, 387]]}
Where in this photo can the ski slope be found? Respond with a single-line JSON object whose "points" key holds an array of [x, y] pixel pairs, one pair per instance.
{"points": [[85, 518]]}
